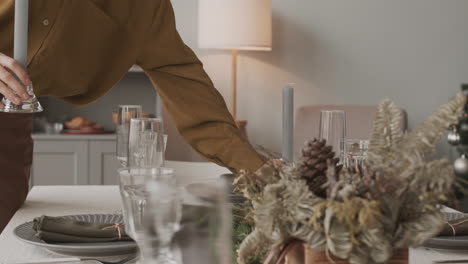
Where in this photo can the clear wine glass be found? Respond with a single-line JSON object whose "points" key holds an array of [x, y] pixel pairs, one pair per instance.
{"points": [[333, 129], [146, 143], [206, 224], [149, 195], [125, 114], [162, 217], [355, 152]]}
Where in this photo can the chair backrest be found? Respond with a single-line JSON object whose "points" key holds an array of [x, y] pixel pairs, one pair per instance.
{"points": [[359, 121]]}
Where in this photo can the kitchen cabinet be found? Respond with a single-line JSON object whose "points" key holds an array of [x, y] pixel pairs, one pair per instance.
{"points": [[103, 163], [74, 160]]}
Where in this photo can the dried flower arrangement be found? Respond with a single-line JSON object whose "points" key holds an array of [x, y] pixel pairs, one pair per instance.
{"points": [[362, 214]]}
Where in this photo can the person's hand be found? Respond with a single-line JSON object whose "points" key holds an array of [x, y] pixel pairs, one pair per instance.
{"points": [[10, 87]]}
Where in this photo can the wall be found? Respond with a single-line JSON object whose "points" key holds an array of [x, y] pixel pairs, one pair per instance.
{"points": [[344, 52], [134, 88]]}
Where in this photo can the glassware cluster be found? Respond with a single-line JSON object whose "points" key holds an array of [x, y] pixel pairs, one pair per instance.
{"points": [[167, 228], [352, 152]]}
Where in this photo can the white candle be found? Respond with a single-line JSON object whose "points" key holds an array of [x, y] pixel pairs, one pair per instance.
{"points": [[21, 32], [288, 122]]}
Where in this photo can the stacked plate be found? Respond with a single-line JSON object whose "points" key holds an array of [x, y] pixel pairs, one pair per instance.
{"points": [[27, 234], [449, 242]]}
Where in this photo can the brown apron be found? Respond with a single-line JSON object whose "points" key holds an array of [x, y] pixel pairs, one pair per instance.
{"points": [[16, 148]]}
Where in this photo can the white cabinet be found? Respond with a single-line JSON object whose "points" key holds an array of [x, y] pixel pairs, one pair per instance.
{"points": [[103, 164], [74, 160]]}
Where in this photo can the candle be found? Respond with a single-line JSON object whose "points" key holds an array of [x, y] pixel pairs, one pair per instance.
{"points": [[159, 107], [21, 32], [288, 122]]}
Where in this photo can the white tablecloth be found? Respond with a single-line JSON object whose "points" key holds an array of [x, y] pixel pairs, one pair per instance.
{"points": [[66, 200], [55, 201]]}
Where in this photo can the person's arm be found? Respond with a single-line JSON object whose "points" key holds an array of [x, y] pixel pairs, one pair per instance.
{"points": [[196, 107]]}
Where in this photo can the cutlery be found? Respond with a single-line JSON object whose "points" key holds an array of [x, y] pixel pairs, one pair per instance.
{"points": [[69, 260], [451, 261]]}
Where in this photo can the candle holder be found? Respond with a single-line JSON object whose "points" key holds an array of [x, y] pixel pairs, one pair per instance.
{"points": [[31, 105], [20, 51]]}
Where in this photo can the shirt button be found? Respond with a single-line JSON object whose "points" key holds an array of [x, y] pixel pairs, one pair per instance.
{"points": [[45, 22]]}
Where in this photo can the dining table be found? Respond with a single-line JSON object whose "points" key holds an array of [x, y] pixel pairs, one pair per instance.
{"points": [[71, 200]]}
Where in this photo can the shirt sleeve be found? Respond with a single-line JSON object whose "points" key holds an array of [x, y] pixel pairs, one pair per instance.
{"points": [[195, 106]]}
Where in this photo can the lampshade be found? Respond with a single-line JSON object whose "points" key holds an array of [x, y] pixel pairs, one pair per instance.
{"points": [[234, 24]]}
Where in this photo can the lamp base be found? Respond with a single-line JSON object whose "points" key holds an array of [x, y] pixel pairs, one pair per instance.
{"points": [[242, 125]]}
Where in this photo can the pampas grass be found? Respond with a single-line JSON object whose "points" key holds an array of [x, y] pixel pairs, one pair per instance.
{"points": [[390, 202]]}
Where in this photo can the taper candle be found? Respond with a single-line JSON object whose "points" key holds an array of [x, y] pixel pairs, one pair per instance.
{"points": [[21, 32], [288, 122]]}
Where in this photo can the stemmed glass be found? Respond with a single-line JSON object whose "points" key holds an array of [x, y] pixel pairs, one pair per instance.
{"points": [[151, 209], [355, 152], [206, 224], [333, 129], [162, 217], [146, 143], [125, 114]]}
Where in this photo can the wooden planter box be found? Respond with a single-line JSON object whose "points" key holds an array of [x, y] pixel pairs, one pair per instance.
{"points": [[311, 256]]}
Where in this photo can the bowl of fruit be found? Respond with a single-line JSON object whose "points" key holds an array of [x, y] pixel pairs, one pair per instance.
{"points": [[81, 125]]}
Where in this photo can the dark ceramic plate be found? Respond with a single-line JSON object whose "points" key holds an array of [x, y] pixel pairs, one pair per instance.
{"points": [[26, 233], [449, 242]]}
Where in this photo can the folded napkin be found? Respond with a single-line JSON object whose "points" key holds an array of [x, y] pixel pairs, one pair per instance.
{"points": [[64, 230], [456, 227]]}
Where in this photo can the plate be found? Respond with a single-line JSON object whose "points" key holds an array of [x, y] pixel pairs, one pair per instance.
{"points": [[449, 242], [27, 234]]}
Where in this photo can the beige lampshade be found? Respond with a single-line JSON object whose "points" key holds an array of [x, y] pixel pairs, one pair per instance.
{"points": [[234, 24]]}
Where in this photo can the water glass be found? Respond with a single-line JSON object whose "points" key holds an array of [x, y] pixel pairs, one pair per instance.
{"points": [[205, 233], [161, 220], [355, 152], [333, 129], [146, 143], [138, 192], [125, 114]]}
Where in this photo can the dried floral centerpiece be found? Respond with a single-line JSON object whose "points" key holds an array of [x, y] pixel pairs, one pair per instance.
{"points": [[362, 214]]}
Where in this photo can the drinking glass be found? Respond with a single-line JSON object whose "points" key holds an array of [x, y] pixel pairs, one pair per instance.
{"points": [[205, 233], [333, 129], [162, 218], [139, 208], [126, 112], [146, 143], [355, 152]]}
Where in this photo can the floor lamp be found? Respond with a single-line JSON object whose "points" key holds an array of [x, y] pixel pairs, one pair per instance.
{"points": [[235, 25]]}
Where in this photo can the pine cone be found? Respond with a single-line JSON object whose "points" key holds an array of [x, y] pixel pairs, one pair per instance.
{"points": [[313, 165]]}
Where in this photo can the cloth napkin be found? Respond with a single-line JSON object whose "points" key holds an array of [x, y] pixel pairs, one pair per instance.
{"points": [[457, 227], [64, 230]]}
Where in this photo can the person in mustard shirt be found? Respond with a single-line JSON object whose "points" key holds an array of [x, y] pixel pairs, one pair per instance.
{"points": [[79, 49]]}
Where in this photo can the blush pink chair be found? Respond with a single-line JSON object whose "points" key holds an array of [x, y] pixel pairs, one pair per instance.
{"points": [[359, 120]]}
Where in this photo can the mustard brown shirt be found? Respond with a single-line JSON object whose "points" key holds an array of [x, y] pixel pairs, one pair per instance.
{"points": [[78, 49]]}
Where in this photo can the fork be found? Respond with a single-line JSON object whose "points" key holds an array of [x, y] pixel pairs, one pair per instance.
{"points": [[69, 260], [451, 261], [122, 261]]}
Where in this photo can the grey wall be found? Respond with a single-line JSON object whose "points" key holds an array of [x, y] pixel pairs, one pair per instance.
{"points": [[344, 52], [134, 88]]}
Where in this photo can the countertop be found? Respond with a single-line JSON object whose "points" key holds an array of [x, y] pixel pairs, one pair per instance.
{"points": [[42, 136]]}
